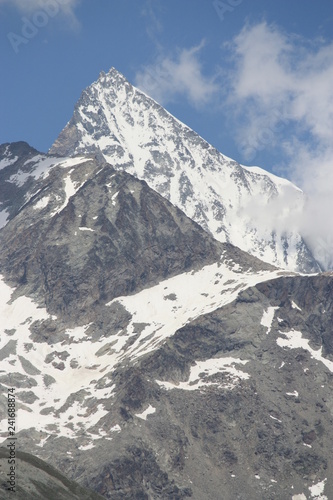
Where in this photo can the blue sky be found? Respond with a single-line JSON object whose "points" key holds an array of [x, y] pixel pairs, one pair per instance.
{"points": [[253, 77]]}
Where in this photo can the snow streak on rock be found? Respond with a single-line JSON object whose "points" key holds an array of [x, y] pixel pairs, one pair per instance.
{"points": [[171, 304], [202, 373], [294, 340]]}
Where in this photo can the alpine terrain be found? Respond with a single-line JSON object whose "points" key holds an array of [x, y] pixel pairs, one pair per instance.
{"points": [[160, 339]]}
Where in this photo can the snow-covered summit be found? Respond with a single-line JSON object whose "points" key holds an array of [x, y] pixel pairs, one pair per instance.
{"points": [[245, 206]]}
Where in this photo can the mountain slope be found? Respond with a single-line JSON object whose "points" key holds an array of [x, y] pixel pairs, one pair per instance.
{"points": [[247, 207], [151, 361], [233, 394]]}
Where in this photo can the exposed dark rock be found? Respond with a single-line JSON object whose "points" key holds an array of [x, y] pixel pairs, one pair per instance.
{"points": [[131, 238]]}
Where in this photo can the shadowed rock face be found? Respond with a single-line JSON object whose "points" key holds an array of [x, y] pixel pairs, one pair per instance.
{"points": [[37, 480], [111, 237]]}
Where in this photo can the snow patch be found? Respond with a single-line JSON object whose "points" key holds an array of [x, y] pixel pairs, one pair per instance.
{"points": [[317, 490], [3, 218], [145, 413], [202, 370], [7, 161], [274, 418], [267, 318], [70, 189], [114, 198], [295, 340], [72, 162], [41, 203], [115, 428], [87, 447], [295, 394]]}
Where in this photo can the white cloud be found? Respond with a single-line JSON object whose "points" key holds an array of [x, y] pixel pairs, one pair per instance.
{"points": [[51, 7], [312, 169], [169, 78], [281, 91], [279, 78]]}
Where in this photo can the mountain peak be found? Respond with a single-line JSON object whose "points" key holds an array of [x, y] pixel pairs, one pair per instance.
{"points": [[111, 77], [235, 204]]}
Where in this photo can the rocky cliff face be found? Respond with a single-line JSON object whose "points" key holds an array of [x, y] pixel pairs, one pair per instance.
{"points": [[247, 207], [90, 234]]}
